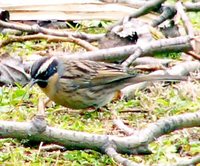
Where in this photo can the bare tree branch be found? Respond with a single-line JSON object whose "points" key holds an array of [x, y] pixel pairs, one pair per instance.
{"points": [[109, 55], [160, 45], [186, 22], [189, 6], [164, 126], [37, 29], [149, 6], [152, 60], [168, 13], [178, 44], [82, 140], [192, 161]]}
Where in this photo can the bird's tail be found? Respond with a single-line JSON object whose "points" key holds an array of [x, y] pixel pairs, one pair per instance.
{"points": [[144, 78]]}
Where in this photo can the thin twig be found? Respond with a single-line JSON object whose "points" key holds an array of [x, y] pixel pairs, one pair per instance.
{"points": [[41, 107], [52, 148], [110, 151], [193, 54], [49, 38]]}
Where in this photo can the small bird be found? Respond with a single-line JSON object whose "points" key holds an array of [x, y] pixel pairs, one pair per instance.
{"points": [[81, 84]]}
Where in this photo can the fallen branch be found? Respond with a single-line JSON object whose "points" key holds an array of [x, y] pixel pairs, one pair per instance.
{"points": [[189, 6], [165, 45], [152, 60], [178, 44], [82, 140], [168, 13], [149, 6], [49, 38], [37, 29], [194, 55], [187, 24], [110, 151], [192, 161]]}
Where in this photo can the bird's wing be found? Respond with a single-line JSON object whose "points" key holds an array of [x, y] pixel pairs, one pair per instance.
{"points": [[82, 74]]}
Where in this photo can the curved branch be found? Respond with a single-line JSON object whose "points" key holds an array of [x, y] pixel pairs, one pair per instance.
{"points": [[49, 38], [82, 140], [163, 126], [110, 151]]}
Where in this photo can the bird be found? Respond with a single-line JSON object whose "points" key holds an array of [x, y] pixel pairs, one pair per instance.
{"points": [[83, 84]]}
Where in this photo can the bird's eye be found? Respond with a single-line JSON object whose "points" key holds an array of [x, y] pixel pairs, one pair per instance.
{"points": [[54, 68], [46, 73]]}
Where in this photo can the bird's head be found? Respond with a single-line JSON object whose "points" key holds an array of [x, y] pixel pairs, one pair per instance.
{"points": [[42, 70]]}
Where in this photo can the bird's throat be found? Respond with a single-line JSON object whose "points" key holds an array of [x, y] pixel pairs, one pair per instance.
{"points": [[51, 87]]}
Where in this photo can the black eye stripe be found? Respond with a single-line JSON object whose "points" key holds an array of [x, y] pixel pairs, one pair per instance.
{"points": [[52, 68]]}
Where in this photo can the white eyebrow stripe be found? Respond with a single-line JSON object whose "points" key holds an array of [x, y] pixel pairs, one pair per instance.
{"points": [[45, 65]]}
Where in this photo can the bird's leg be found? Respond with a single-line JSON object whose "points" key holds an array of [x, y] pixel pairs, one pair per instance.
{"points": [[46, 102], [39, 124], [41, 106], [93, 109], [38, 121], [102, 109]]}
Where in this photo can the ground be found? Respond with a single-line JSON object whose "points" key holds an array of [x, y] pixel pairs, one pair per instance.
{"points": [[156, 102]]}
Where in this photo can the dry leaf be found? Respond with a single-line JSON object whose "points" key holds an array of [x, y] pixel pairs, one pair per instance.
{"points": [[12, 71]]}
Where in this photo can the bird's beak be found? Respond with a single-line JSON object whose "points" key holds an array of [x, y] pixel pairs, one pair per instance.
{"points": [[29, 86], [32, 82]]}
